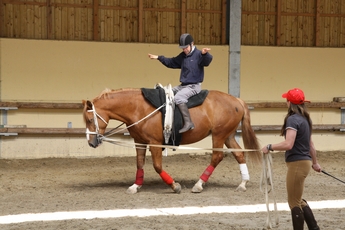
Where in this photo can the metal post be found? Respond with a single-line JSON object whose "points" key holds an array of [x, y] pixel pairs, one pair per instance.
{"points": [[342, 119], [4, 111], [4, 117], [235, 47], [235, 50]]}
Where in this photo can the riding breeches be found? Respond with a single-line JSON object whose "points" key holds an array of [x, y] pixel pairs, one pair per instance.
{"points": [[295, 177], [183, 92]]}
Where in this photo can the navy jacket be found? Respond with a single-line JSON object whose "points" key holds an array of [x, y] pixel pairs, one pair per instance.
{"points": [[191, 65]]}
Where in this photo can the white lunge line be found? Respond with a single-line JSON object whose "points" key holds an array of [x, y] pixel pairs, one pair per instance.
{"points": [[118, 213]]}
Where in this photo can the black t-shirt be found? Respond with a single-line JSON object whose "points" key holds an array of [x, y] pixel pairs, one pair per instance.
{"points": [[301, 147]]}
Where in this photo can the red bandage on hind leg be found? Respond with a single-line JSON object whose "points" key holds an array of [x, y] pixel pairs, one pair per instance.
{"points": [[139, 179], [166, 178], [207, 173]]}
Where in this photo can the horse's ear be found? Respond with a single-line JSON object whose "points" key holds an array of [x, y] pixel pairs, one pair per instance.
{"points": [[87, 104]]}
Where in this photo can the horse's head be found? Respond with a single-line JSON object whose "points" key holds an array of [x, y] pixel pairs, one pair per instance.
{"points": [[96, 123]]}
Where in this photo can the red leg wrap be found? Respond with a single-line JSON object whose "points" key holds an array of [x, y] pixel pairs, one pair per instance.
{"points": [[166, 178], [207, 173], [139, 180]]}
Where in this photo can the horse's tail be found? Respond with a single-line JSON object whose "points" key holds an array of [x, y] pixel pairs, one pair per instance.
{"points": [[250, 140]]}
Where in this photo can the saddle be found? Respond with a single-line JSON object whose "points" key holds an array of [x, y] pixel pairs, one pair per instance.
{"points": [[160, 95]]}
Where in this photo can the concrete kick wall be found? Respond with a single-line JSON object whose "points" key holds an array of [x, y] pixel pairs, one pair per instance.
{"points": [[69, 71], [31, 147]]}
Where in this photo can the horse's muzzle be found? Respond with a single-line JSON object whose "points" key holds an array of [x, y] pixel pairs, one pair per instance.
{"points": [[93, 145], [95, 142]]}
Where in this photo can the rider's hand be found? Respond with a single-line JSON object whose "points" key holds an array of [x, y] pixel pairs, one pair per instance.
{"points": [[205, 50], [152, 56]]}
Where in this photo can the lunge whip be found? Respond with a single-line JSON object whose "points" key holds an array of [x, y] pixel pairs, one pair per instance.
{"points": [[332, 176]]}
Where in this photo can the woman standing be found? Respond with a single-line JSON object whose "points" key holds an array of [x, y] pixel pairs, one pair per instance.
{"points": [[300, 157]]}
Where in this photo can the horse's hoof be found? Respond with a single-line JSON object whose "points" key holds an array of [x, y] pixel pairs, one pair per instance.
{"points": [[198, 186], [133, 189], [242, 186], [176, 187]]}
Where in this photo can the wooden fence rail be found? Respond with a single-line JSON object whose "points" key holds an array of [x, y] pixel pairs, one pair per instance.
{"points": [[56, 105], [81, 131], [8, 130], [41, 105], [50, 131]]}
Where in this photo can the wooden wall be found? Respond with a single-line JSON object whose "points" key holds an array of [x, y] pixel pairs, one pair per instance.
{"points": [[293, 23], [301, 23]]}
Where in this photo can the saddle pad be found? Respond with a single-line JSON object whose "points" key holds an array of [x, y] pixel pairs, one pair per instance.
{"points": [[157, 97]]}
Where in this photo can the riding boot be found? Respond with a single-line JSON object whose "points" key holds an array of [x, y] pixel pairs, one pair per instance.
{"points": [[309, 218], [188, 124], [297, 218]]}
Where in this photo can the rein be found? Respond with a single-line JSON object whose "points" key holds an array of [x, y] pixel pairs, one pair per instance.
{"points": [[137, 145], [266, 181], [114, 130]]}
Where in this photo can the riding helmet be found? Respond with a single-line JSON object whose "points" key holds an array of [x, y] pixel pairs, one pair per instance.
{"points": [[185, 40]]}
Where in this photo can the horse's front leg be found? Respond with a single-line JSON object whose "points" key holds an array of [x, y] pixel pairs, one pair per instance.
{"points": [[156, 154], [139, 179], [241, 160], [217, 157]]}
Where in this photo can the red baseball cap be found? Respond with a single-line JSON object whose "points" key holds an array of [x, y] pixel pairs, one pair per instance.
{"points": [[295, 96]]}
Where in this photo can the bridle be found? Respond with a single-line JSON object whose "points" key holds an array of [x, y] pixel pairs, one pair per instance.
{"points": [[95, 116]]}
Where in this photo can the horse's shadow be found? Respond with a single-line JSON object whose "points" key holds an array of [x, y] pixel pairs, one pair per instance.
{"points": [[100, 184], [149, 185]]}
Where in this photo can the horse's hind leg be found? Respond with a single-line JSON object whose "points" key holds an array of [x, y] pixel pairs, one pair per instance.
{"points": [[139, 179], [240, 158]]}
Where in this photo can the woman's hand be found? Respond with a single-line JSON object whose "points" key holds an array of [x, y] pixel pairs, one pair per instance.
{"points": [[265, 150], [316, 167]]}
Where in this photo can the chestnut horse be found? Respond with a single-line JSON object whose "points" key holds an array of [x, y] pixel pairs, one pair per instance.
{"points": [[219, 115]]}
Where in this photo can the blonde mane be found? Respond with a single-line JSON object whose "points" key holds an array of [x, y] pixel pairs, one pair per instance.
{"points": [[105, 94]]}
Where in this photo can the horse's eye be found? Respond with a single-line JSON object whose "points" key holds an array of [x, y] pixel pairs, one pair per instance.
{"points": [[90, 120]]}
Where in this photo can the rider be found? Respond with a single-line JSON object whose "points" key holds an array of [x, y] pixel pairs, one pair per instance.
{"points": [[191, 61]]}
